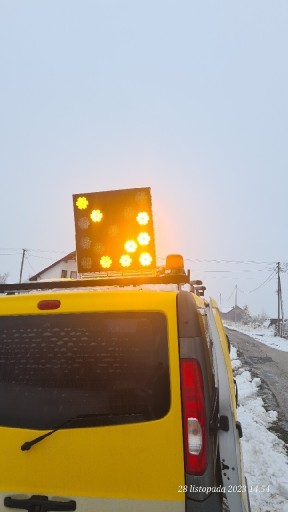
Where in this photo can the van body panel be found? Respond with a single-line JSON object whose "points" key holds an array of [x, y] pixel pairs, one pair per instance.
{"points": [[116, 461], [225, 350], [193, 344], [139, 461]]}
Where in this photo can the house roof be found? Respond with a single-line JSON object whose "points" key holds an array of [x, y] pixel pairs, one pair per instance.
{"points": [[226, 310], [234, 308], [70, 256]]}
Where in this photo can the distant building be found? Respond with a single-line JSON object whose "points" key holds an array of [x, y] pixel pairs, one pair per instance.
{"points": [[235, 314], [283, 326], [65, 267]]}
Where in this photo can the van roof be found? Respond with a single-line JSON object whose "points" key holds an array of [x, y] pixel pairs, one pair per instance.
{"points": [[119, 281]]}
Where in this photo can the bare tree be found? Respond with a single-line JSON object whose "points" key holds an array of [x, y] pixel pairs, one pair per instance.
{"points": [[3, 277]]}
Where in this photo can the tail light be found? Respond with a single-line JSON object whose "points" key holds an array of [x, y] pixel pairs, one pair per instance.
{"points": [[194, 417]]}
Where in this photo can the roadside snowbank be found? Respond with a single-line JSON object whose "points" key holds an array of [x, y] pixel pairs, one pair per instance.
{"points": [[265, 459], [262, 334]]}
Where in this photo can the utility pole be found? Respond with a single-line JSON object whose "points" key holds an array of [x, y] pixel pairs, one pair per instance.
{"points": [[235, 313], [279, 297], [22, 263]]}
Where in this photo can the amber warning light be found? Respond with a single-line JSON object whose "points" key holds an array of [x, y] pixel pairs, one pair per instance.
{"points": [[114, 230]]}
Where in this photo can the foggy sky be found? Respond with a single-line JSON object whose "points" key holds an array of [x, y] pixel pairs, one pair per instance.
{"points": [[188, 98]]}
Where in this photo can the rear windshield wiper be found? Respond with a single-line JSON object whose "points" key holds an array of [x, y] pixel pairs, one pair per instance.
{"points": [[28, 444]]}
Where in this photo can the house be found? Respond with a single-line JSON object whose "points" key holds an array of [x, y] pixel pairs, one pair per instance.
{"points": [[63, 268], [235, 314]]}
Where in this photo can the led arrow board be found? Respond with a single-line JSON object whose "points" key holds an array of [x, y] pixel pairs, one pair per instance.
{"points": [[114, 230]]}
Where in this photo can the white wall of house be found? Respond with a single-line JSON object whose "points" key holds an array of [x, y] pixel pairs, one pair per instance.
{"points": [[59, 269]]}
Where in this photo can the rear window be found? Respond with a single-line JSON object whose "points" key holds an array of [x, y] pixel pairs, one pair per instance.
{"points": [[56, 367]]}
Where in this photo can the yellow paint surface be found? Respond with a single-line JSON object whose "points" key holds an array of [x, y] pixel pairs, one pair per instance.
{"points": [[140, 461]]}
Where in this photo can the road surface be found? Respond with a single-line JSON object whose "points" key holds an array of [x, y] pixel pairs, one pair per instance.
{"points": [[271, 365]]}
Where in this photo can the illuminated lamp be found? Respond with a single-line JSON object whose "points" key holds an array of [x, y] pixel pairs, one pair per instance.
{"points": [[82, 203], [145, 259], [105, 262], [142, 218], [130, 246], [175, 263], [125, 260], [143, 238], [96, 216]]}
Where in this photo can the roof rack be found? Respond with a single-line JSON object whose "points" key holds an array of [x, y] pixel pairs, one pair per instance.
{"points": [[95, 282]]}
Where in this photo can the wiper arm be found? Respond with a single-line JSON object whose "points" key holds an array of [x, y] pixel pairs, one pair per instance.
{"points": [[28, 444]]}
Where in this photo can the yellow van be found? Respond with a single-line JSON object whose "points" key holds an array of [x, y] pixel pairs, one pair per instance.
{"points": [[109, 397]]}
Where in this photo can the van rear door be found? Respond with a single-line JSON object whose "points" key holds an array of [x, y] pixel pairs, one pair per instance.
{"points": [[119, 371]]}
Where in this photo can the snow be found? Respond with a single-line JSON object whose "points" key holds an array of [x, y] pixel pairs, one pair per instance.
{"points": [[265, 459], [263, 334]]}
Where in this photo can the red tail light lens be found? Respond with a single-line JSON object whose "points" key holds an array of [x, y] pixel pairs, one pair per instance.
{"points": [[194, 417]]}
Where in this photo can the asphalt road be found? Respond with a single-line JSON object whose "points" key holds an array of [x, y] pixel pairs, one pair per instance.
{"points": [[271, 366]]}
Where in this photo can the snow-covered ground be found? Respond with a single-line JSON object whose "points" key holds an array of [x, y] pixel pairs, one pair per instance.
{"points": [[265, 458], [262, 334]]}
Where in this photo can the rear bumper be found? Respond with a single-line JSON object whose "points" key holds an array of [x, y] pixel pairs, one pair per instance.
{"points": [[110, 505]]}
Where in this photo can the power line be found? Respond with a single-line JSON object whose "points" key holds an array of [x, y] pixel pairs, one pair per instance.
{"points": [[227, 300], [235, 271], [41, 257], [32, 250], [246, 262], [49, 251], [10, 249], [28, 261], [269, 278]]}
